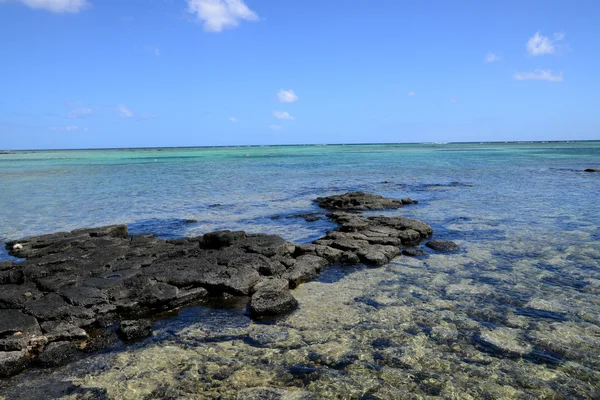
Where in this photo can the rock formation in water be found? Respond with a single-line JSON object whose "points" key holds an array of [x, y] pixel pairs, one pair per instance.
{"points": [[74, 282], [360, 201]]}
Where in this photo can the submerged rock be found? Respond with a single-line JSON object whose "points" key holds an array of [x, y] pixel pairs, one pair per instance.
{"points": [[413, 252], [265, 393], [57, 353], [131, 330], [442, 245]]}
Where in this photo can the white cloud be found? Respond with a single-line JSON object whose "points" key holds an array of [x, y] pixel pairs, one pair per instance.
{"points": [[282, 115], [219, 14], [124, 111], [233, 119], [492, 57], [287, 96], [275, 127], [539, 45], [57, 6], [411, 93], [154, 50], [80, 112], [69, 128], [539, 75]]}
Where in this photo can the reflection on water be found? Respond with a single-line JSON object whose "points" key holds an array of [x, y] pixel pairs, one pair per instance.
{"points": [[514, 315]]}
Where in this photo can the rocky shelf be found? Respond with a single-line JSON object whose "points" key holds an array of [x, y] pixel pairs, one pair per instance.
{"points": [[74, 283]]}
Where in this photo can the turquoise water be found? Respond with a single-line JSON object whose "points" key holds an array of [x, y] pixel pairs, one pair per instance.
{"points": [[527, 279]]}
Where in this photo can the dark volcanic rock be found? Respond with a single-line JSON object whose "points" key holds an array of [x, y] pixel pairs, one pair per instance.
{"points": [[16, 330], [83, 296], [360, 201], [16, 296], [591, 170], [12, 321], [89, 278], [272, 297], [12, 362], [57, 353], [218, 239], [442, 245], [413, 252], [49, 307], [131, 330], [305, 268]]}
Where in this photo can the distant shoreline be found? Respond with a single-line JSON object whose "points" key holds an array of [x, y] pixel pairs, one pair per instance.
{"points": [[7, 151]]}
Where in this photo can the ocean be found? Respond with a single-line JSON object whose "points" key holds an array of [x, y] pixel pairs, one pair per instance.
{"points": [[514, 314]]}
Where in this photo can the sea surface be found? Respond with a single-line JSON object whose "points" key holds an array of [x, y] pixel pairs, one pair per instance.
{"points": [[515, 314]]}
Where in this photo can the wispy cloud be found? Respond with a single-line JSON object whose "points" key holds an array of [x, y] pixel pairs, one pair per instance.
{"points": [[411, 93], [454, 100], [80, 112], [219, 14], [57, 6], [153, 50], [492, 57], [287, 96], [233, 119], [68, 128], [124, 111], [539, 75], [539, 45], [282, 115], [275, 127]]}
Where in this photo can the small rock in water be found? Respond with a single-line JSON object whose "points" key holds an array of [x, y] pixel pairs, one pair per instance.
{"points": [[360, 201], [413, 252], [442, 245], [273, 299], [57, 353], [591, 170], [135, 329]]}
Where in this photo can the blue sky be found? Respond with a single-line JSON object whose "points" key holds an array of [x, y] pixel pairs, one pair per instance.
{"points": [[137, 73]]}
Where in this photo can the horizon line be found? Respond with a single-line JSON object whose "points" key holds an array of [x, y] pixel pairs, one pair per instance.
{"points": [[6, 151]]}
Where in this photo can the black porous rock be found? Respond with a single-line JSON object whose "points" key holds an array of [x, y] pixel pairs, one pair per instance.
{"points": [[17, 330], [359, 201], [16, 296], [132, 330], [12, 362], [272, 297], [57, 353], [72, 283], [442, 245], [413, 252]]}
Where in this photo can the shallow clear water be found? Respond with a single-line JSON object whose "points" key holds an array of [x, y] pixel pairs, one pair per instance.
{"points": [[515, 314]]}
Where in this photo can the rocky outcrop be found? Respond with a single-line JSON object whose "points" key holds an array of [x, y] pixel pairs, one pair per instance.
{"points": [[359, 201], [74, 282], [591, 170]]}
